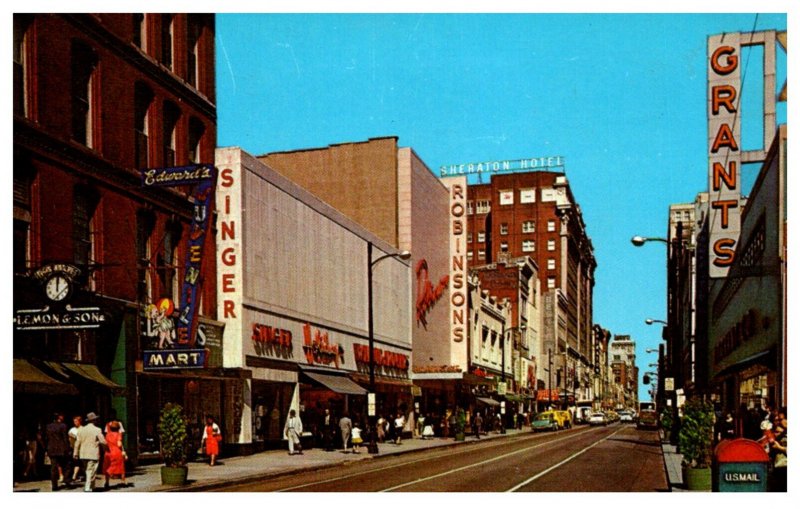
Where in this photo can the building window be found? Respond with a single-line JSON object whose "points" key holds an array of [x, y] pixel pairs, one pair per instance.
{"points": [[167, 27], [481, 254], [551, 245], [551, 264], [171, 116], [527, 195], [84, 204], [503, 247], [194, 29], [551, 282], [507, 197], [469, 207], [528, 226], [145, 220], [528, 246], [551, 225], [140, 31], [84, 65], [504, 229], [143, 97], [168, 266], [21, 64], [196, 130], [470, 256], [483, 207], [22, 215], [481, 236], [469, 237]]}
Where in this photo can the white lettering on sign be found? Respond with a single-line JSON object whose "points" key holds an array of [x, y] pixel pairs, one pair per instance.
{"points": [[742, 477], [533, 163]]}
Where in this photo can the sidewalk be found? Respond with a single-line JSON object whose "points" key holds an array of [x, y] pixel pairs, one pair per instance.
{"points": [[672, 465], [231, 470]]}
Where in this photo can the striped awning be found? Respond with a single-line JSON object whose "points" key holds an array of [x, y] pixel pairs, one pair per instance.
{"points": [[337, 383]]}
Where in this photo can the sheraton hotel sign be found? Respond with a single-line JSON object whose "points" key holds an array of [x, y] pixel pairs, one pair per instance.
{"points": [[533, 163]]}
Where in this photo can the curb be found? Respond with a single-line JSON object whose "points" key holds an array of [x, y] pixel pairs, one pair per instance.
{"points": [[205, 485]]}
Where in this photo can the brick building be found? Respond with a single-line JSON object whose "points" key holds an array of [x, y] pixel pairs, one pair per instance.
{"points": [[97, 99], [535, 214]]}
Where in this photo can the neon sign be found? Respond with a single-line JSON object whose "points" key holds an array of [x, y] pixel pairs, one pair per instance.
{"points": [[427, 295]]}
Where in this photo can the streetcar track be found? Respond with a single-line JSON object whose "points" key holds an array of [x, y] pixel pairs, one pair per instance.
{"points": [[484, 462], [443, 455], [561, 463]]}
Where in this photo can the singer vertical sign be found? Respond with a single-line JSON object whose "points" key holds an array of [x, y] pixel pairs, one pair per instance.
{"points": [[724, 155]]}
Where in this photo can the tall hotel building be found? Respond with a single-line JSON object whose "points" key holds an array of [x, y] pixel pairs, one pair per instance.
{"points": [[535, 214]]}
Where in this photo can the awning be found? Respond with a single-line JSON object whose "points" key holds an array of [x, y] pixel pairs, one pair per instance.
{"points": [[337, 383], [763, 357], [30, 379], [91, 373], [364, 379], [489, 401]]}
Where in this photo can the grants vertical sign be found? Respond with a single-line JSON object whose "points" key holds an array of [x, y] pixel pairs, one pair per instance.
{"points": [[724, 155], [229, 250], [458, 264]]}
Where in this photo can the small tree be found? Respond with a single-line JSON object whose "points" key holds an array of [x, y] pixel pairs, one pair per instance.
{"points": [[173, 434], [666, 418], [697, 433]]}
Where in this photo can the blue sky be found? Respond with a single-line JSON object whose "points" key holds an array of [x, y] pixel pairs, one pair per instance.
{"points": [[620, 96]]}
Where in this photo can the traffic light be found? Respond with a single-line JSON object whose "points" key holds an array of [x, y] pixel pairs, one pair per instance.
{"points": [[646, 380]]}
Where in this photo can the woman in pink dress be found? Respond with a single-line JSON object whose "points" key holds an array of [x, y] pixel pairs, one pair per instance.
{"points": [[114, 458]]}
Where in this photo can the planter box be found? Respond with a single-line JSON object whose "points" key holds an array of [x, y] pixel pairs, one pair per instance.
{"points": [[697, 479], [174, 475]]}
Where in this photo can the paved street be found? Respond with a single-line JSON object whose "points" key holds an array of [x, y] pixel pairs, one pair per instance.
{"points": [[614, 458]]}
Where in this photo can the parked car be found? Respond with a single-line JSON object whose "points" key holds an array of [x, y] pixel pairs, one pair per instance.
{"points": [[612, 416], [598, 419], [545, 421], [582, 414], [625, 416], [648, 419]]}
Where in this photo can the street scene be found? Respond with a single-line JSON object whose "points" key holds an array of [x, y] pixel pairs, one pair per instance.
{"points": [[400, 253]]}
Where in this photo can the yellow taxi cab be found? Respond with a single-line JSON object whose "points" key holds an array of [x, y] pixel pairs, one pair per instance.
{"points": [[564, 419]]}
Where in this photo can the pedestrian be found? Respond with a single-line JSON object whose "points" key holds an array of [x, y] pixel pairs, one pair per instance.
{"points": [[477, 424], [399, 423], [328, 426], [30, 452], [292, 431], [381, 428], [114, 459], [88, 443], [346, 426], [780, 455], [114, 419], [58, 450], [356, 440], [77, 422], [212, 436]]}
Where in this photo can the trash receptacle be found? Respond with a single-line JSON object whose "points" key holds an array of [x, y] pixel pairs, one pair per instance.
{"points": [[740, 465]]}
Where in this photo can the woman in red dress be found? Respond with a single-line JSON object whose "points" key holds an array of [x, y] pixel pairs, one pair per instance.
{"points": [[211, 437], [114, 458]]}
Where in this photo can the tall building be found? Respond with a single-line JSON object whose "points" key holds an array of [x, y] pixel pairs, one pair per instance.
{"points": [[535, 214], [622, 362], [100, 252]]}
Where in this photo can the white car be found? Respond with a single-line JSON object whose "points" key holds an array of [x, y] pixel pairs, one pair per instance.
{"points": [[598, 419], [625, 417]]}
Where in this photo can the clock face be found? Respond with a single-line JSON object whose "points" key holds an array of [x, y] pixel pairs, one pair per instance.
{"points": [[57, 288]]}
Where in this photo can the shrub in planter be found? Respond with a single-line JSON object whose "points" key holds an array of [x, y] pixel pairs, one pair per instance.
{"points": [[665, 420], [461, 424], [695, 441], [173, 435]]}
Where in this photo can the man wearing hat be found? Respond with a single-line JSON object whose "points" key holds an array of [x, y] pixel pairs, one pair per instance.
{"points": [[87, 448]]}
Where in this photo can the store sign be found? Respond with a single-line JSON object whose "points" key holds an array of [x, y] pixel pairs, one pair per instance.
{"points": [[743, 331], [427, 295], [204, 177], [319, 349], [457, 187], [269, 340], [174, 359], [69, 318], [381, 358], [533, 163]]}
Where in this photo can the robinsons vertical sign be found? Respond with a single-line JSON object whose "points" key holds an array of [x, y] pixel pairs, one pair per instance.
{"points": [[458, 264]]}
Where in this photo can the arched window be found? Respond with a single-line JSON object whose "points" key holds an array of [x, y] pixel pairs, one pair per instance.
{"points": [[22, 70], [196, 130], [171, 116], [140, 31], [84, 227]]}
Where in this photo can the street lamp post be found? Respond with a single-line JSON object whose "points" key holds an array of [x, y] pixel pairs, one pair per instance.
{"points": [[372, 447]]}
